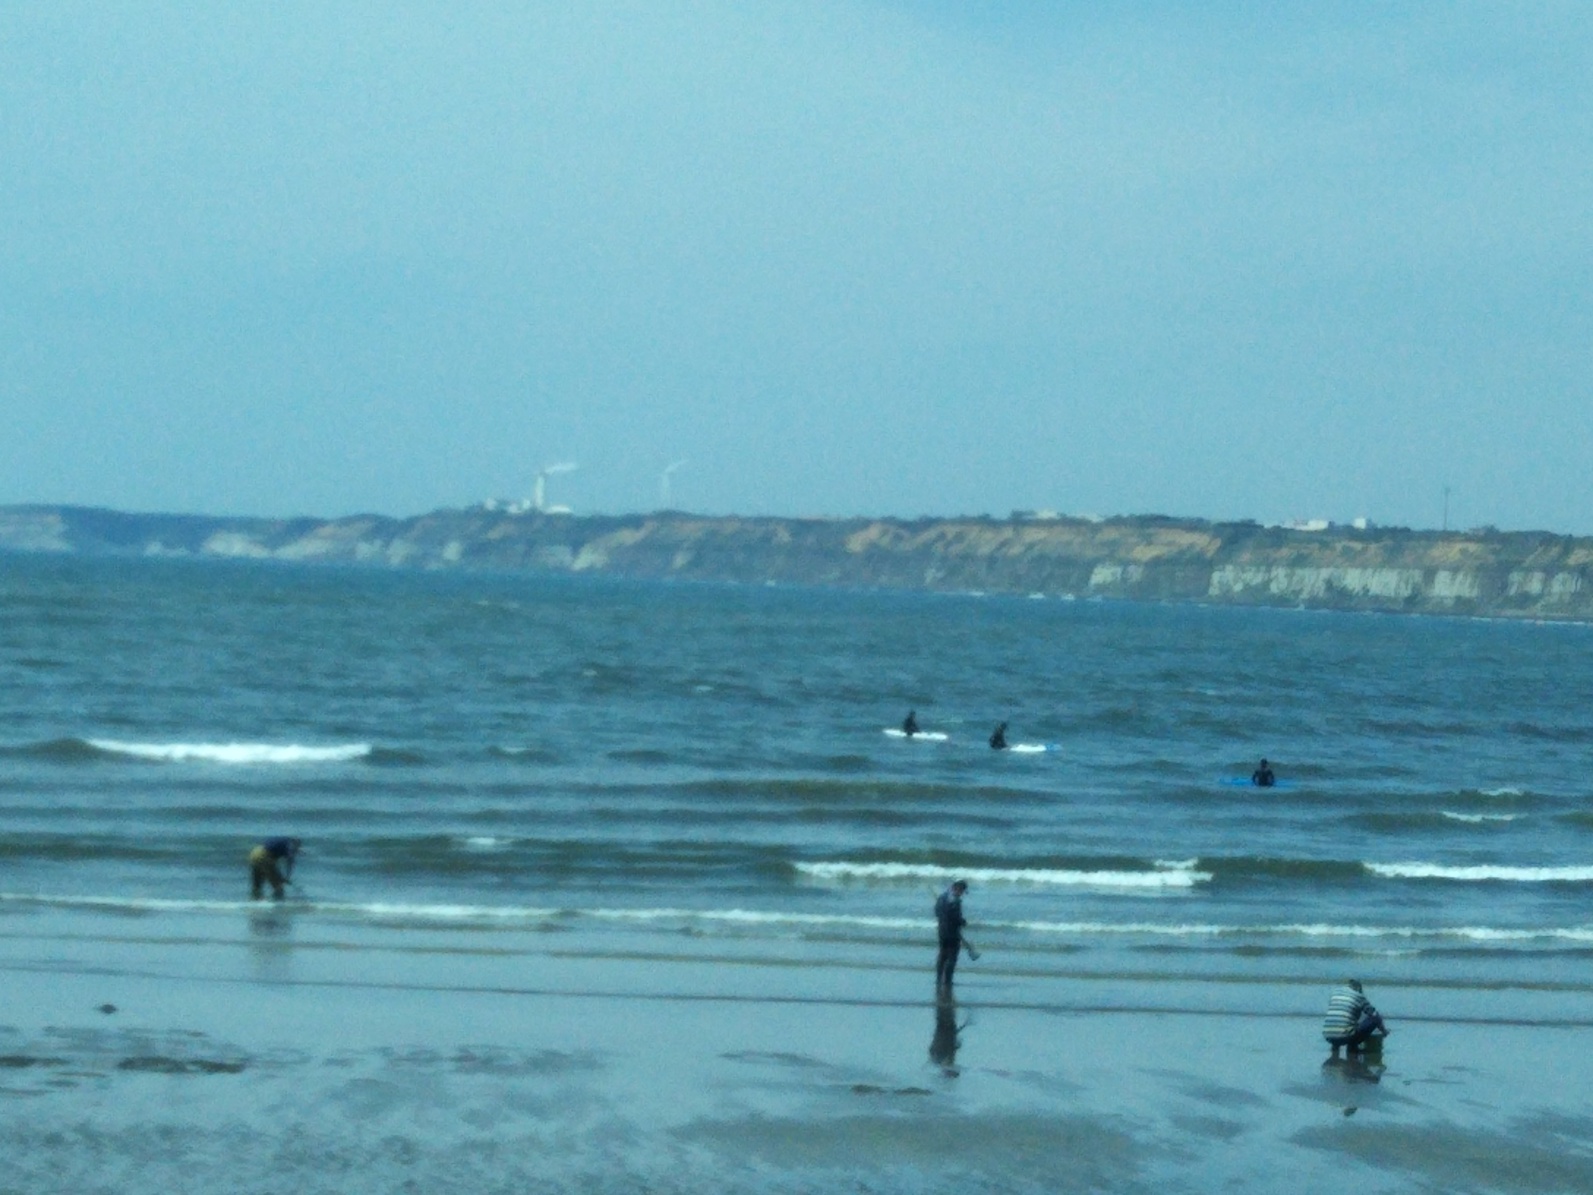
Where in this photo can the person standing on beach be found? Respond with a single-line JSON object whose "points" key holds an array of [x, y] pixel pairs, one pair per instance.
{"points": [[1351, 1020], [949, 921], [272, 862]]}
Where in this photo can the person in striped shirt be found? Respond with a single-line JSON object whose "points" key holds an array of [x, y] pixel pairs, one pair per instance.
{"points": [[1351, 1020]]}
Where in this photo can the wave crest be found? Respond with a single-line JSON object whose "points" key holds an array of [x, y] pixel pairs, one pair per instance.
{"points": [[1479, 873], [231, 753], [1165, 875]]}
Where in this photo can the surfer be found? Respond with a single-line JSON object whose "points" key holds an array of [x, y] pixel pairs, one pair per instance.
{"points": [[272, 862], [998, 738], [910, 726], [949, 922], [1262, 777], [1351, 1020]]}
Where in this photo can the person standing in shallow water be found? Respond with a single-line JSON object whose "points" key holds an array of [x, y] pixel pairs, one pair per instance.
{"points": [[949, 922], [272, 863]]}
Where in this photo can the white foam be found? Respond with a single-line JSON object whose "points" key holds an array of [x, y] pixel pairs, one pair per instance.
{"points": [[1166, 876], [484, 842], [1471, 933], [1484, 872], [233, 753], [929, 736], [1027, 748], [1477, 819], [1503, 792], [510, 914]]}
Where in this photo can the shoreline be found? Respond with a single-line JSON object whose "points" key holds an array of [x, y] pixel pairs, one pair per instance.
{"points": [[624, 1073]]}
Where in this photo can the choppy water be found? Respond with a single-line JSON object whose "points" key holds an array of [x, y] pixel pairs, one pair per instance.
{"points": [[501, 752]]}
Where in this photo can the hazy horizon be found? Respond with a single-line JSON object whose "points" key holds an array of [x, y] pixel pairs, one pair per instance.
{"points": [[891, 258]]}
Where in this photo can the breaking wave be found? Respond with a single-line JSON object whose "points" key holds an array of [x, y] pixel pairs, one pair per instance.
{"points": [[231, 753], [1164, 875], [1482, 873]]}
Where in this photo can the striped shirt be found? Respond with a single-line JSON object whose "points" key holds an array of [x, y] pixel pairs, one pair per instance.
{"points": [[1346, 1006]]}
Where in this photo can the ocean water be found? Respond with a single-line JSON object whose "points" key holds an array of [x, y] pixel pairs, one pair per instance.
{"points": [[500, 750], [671, 771]]}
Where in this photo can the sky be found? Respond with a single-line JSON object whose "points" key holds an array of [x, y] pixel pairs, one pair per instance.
{"points": [[1226, 260]]}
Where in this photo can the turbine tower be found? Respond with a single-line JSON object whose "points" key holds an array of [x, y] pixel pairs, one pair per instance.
{"points": [[539, 493], [663, 485]]}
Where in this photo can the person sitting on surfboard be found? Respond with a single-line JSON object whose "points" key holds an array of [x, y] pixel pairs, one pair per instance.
{"points": [[949, 921], [998, 739], [266, 865], [1262, 777], [910, 727]]}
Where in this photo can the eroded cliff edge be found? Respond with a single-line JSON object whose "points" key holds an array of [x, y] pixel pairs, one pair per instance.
{"points": [[1509, 574]]}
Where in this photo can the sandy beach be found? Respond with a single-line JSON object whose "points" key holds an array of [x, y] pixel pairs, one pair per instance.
{"points": [[318, 1056]]}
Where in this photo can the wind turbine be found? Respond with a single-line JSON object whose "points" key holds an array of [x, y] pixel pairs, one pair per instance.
{"points": [[539, 494], [663, 485]]}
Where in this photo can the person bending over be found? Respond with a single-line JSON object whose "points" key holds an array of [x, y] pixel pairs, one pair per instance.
{"points": [[272, 863], [1351, 1020]]}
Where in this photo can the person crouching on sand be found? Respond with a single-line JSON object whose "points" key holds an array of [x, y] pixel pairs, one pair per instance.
{"points": [[272, 862], [1351, 1020]]}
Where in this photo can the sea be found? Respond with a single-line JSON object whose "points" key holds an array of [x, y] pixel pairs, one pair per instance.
{"points": [[487, 757]]}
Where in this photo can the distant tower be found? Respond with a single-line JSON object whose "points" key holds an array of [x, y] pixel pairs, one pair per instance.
{"points": [[663, 485], [539, 493]]}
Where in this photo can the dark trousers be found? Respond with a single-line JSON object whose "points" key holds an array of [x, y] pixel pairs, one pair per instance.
{"points": [[946, 961], [1369, 1024]]}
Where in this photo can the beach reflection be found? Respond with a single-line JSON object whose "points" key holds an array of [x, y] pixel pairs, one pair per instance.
{"points": [[270, 942], [1354, 1068], [944, 1044]]}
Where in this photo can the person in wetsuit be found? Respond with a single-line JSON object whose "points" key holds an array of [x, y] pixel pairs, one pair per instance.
{"points": [[1262, 777], [949, 922], [998, 738], [910, 726], [272, 863]]}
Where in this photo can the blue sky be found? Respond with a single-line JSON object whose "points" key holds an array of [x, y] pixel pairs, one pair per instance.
{"points": [[1248, 260]]}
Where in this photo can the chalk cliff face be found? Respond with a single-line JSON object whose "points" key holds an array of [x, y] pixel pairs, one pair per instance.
{"points": [[1520, 574]]}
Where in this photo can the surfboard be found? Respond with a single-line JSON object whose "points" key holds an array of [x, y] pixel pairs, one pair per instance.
{"points": [[1244, 782], [929, 736]]}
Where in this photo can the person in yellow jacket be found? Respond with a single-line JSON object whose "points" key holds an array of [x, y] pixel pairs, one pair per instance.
{"points": [[272, 863]]}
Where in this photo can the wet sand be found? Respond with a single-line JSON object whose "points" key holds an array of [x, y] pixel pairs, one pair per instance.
{"points": [[256, 1049]]}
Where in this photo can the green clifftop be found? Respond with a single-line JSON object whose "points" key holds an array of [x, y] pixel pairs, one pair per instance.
{"points": [[1512, 574]]}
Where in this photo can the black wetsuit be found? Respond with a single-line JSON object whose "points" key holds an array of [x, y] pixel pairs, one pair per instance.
{"points": [[910, 727], [948, 917], [998, 740], [1263, 778]]}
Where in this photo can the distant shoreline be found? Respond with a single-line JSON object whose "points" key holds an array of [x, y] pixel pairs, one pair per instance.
{"points": [[1519, 574]]}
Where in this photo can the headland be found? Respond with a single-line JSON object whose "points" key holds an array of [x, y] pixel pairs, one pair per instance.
{"points": [[1481, 573]]}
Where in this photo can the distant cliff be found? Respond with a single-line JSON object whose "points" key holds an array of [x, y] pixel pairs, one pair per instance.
{"points": [[1509, 574]]}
